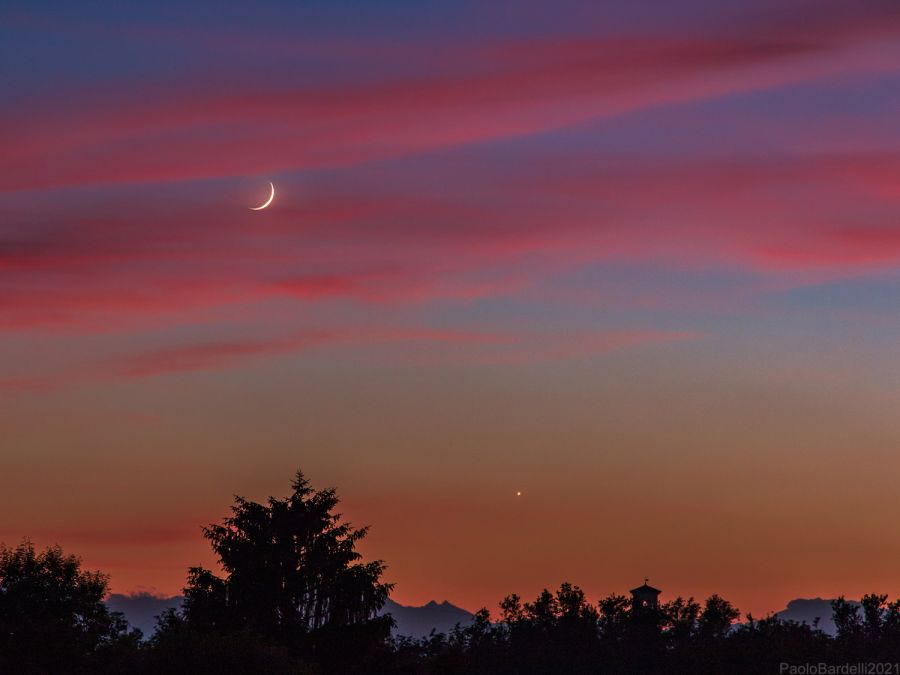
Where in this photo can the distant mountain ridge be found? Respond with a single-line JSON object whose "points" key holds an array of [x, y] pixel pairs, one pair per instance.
{"points": [[807, 610], [141, 610], [418, 622]]}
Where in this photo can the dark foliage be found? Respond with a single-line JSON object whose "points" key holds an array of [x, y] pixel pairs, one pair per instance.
{"points": [[293, 582], [52, 616], [563, 633], [178, 647], [294, 597]]}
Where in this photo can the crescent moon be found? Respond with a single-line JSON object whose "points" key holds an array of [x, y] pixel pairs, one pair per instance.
{"points": [[268, 201]]}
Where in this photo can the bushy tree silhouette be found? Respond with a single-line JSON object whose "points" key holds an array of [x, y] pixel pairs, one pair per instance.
{"points": [[293, 577], [680, 618], [52, 615], [717, 618]]}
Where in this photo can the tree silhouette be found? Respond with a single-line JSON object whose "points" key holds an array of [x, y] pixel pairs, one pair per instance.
{"points": [[294, 597], [292, 575], [52, 615], [717, 618], [680, 619], [846, 619]]}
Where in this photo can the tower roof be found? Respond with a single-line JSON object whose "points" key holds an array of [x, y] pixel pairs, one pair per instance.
{"points": [[645, 588]]}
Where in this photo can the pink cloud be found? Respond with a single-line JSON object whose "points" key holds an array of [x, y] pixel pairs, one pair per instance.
{"points": [[24, 384], [186, 130], [855, 247], [580, 344], [792, 212], [160, 267], [317, 286], [140, 536], [212, 355], [215, 355], [440, 346], [488, 347]]}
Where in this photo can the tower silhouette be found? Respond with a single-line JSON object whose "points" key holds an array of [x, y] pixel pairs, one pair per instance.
{"points": [[645, 597]]}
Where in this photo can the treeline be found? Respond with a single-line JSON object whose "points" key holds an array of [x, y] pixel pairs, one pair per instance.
{"points": [[563, 633], [293, 596]]}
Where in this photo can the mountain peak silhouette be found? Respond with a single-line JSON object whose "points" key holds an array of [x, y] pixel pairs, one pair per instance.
{"points": [[420, 621], [141, 610], [808, 610]]}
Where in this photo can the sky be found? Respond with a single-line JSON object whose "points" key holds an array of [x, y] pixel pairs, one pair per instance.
{"points": [[637, 261]]}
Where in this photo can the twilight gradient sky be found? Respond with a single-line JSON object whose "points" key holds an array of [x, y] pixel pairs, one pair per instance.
{"points": [[640, 261]]}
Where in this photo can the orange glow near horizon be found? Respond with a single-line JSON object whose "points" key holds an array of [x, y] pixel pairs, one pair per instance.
{"points": [[567, 293]]}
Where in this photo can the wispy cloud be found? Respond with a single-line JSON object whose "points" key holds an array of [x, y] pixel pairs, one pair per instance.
{"points": [[180, 130]]}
